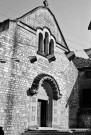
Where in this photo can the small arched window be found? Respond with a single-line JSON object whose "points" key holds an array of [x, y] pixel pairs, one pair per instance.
{"points": [[40, 44], [46, 44], [51, 47]]}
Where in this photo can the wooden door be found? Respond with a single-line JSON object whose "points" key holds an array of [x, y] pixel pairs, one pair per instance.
{"points": [[39, 113]]}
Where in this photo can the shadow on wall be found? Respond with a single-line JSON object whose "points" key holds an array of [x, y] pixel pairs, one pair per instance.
{"points": [[74, 106]]}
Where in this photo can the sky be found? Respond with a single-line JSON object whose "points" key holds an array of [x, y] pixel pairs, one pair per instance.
{"points": [[73, 17]]}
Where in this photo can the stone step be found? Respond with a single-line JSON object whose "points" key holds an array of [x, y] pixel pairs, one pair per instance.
{"points": [[55, 132]]}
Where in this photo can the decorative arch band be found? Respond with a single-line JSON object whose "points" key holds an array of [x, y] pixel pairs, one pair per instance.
{"points": [[39, 80]]}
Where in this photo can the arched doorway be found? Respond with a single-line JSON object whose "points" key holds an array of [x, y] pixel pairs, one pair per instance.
{"points": [[45, 96], [47, 90]]}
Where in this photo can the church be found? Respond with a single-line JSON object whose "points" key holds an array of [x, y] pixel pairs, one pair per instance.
{"points": [[37, 74]]}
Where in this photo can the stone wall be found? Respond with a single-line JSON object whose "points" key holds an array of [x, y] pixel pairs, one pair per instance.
{"points": [[6, 52], [17, 75], [25, 72], [42, 17], [74, 105]]}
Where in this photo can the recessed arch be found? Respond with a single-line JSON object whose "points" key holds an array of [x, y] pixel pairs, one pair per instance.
{"points": [[40, 43], [51, 47], [40, 79], [46, 43], [46, 86]]}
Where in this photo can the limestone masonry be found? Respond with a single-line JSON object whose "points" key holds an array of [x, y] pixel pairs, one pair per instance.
{"points": [[34, 72]]}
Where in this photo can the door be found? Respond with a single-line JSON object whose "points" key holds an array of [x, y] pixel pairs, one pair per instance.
{"points": [[42, 113], [39, 113]]}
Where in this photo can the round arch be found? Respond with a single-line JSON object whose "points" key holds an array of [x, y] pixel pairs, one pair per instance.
{"points": [[39, 80]]}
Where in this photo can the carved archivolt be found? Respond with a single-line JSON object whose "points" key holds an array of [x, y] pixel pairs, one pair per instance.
{"points": [[39, 80]]}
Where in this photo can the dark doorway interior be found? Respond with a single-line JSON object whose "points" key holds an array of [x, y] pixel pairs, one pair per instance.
{"points": [[42, 113], [84, 113], [85, 101]]}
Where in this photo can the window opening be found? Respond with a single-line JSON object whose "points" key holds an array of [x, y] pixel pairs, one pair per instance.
{"points": [[46, 44], [51, 47], [41, 48]]}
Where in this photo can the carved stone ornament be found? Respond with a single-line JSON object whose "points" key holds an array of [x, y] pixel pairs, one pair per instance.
{"points": [[45, 2]]}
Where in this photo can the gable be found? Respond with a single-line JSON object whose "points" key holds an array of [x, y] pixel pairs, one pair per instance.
{"points": [[42, 17]]}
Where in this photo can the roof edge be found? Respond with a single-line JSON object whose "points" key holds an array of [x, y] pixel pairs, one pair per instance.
{"points": [[30, 12]]}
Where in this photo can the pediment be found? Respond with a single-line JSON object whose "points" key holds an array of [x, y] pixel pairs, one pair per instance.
{"points": [[42, 17]]}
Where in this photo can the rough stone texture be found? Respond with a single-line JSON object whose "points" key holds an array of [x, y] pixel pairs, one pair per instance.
{"points": [[84, 83], [81, 62], [18, 73], [6, 52], [74, 105], [43, 18]]}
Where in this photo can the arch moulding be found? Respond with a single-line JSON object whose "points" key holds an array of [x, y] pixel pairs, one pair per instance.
{"points": [[39, 80]]}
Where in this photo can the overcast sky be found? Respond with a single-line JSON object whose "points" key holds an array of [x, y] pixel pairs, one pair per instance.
{"points": [[73, 17]]}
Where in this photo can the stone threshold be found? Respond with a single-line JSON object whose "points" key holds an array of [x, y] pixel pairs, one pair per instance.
{"points": [[63, 130]]}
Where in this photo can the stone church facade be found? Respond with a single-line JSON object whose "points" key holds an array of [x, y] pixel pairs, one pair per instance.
{"points": [[36, 77]]}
